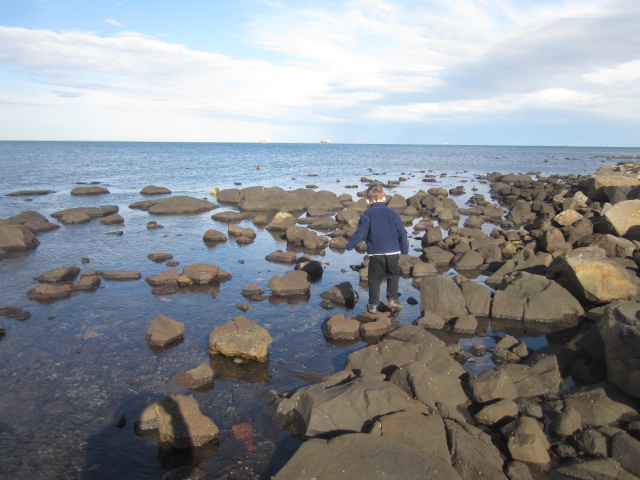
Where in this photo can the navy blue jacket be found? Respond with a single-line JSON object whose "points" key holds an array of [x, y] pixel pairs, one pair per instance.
{"points": [[382, 229]]}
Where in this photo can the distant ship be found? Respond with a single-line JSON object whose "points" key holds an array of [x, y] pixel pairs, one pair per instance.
{"points": [[265, 140], [325, 141]]}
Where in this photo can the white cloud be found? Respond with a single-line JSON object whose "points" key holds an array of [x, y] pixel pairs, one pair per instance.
{"points": [[344, 61], [623, 73], [113, 22]]}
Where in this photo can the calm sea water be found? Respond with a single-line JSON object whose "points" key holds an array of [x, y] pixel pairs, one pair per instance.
{"points": [[76, 363]]}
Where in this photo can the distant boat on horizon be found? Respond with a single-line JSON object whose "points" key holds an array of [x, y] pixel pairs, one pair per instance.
{"points": [[265, 140], [325, 141]]}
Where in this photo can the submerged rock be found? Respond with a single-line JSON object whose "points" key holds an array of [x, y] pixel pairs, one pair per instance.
{"points": [[164, 331]]}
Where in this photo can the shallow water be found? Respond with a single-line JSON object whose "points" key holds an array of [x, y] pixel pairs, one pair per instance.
{"points": [[75, 363]]}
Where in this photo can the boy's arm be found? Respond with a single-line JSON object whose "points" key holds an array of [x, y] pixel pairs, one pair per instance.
{"points": [[402, 236], [360, 233]]}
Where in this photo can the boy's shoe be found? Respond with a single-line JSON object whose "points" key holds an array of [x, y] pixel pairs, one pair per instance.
{"points": [[371, 308], [395, 305]]}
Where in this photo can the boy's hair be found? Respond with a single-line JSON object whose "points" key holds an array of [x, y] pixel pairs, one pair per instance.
{"points": [[375, 193]]}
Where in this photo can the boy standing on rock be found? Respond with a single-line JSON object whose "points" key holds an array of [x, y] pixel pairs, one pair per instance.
{"points": [[386, 239]]}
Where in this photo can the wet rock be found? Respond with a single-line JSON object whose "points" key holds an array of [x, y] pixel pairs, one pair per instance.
{"points": [[441, 295], [178, 422], [293, 283], [87, 283], [465, 324], [154, 190], [355, 456], [115, 219], [240, 337], [32, 220], [280, 256], [242, 235], [59, 275], [166, 278], [281, 222], [153, 225], [186, 472], [252, 290], [121, 275], [201, 273], [47, 292], [180, 205], [17, 238], [15, 313], [528, 297], [341, 294], [164, 331], [198, 378], [80, 215], [29, 193], [159, 257], [592, 277], [619, 328], [302, 236], [214, 236], [341, 328], [94, 190]]}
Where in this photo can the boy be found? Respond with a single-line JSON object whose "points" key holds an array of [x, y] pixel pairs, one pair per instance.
{"points": [[386, 239]]}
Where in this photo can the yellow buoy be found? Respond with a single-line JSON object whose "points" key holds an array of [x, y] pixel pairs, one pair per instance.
{"points": [[214, 191]]}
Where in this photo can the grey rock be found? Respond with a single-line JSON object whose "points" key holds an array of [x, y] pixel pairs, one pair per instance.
{"points": [[362, 457], [619, 328], [441, 295]]}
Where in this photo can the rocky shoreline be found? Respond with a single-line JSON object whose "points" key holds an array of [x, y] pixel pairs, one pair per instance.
{"points": [[564, 254]]}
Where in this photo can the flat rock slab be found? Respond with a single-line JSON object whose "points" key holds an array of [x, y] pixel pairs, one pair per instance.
{"points": [[49, 292], [362, 457], [17, 238], [153, 190], [59, 275], [82, 191], [180, 205], [29, 193], [121, 275]]}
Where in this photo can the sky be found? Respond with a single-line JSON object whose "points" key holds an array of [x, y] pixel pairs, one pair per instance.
{"points": [[465, 72]]}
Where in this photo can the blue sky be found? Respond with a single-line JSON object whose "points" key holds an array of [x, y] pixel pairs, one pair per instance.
{"points": [[498, 72]]}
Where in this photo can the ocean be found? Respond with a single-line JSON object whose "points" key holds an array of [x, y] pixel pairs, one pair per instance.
{"points": [[77, 364]]}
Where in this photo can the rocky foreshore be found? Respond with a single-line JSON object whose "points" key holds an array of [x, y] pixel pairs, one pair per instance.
{"points": [[563, 254]]}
